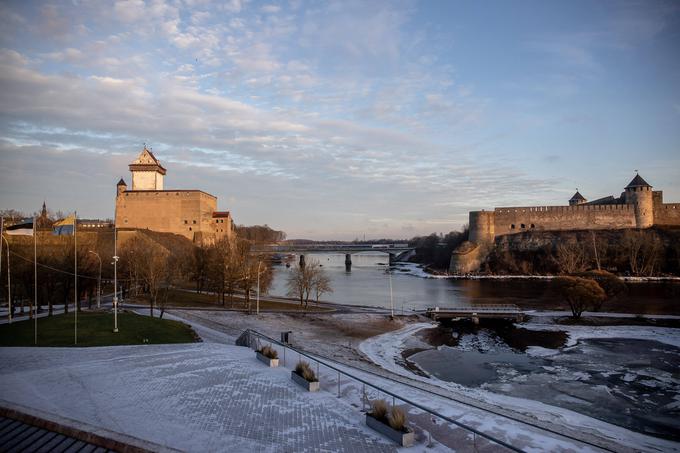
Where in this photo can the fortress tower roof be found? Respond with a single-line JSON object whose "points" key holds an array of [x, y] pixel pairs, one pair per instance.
{"points": [[146, 161], [577, 197], [121, 183], [637, 182]]}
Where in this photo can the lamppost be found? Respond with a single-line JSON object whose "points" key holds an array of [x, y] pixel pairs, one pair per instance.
{"points": [[259, 263], [9, 286], [389, 271], [115, 281], [99, 280]]}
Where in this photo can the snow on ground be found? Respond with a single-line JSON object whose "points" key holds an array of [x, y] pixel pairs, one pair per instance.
{"points": [[385, 350], [194, 397]]}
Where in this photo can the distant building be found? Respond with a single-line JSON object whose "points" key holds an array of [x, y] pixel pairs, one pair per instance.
{"points": [[190, 213], [637, 207]]}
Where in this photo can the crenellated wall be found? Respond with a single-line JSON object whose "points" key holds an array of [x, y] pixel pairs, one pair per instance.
{"points": [[667, 214], [512, 220]]}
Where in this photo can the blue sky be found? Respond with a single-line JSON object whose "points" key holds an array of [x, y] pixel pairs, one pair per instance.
{"points": [[340, 119]]}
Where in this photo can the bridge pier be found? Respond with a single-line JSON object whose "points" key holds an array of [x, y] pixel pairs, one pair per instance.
{"points": [[302, 260], [348, 262], [392, 259]]}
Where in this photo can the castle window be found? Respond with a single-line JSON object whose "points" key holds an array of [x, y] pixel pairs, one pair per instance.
{"points": [[189, 228], [522, 226], [186, 221], [512, 227], [194, 222], [533, 226]]}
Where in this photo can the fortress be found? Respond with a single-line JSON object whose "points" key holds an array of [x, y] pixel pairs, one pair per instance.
{"points": [[637, 207], [190, 213]]}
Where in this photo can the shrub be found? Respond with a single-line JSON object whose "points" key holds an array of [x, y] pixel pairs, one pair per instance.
{"points": [[303, 369], [269, 352], [397, 419], [379, 410]]}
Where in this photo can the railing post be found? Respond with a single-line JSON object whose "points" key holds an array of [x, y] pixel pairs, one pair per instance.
{"points": [[338, 384], [284, 355], [317, 370], [363, 399]]}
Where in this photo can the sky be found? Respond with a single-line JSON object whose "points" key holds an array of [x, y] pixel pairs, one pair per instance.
{"points": [[340, 120]]}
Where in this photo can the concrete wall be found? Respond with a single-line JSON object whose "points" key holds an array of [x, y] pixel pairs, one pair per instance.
{"points": [[563, 218], [171, 211]]}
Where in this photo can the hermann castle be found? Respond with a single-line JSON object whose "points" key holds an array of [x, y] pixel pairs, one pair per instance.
{"points": [[638, 207], [190, 213]]}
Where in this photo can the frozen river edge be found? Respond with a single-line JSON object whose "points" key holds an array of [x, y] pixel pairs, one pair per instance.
{"points": [[386, 351]]}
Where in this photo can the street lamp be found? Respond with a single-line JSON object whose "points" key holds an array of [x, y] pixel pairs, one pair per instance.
{"points": [[389, 271], [99, 280], [9, 286], [259, 263], [115, 280]]}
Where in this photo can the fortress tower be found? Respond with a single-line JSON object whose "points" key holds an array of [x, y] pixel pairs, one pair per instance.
{"points": [[639, 194], [638, 207], [190, 213], [147, 172]]}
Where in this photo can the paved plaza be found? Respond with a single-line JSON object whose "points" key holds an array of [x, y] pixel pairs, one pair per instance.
{"points": [[192, 397]]}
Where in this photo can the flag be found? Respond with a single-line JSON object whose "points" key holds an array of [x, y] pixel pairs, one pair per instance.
{"points": [[64, 227], [23, 228]]}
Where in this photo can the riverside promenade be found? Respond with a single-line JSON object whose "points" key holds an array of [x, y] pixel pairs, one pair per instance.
{"points": [[190, 397]]}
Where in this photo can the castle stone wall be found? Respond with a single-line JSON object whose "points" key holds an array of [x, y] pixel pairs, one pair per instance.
{"points": [[512, 220], [184, 212], [147, 180], [667, 214], [482, 228]]}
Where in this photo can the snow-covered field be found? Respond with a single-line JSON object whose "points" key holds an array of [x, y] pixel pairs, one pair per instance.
{"points": [[385, 350]]}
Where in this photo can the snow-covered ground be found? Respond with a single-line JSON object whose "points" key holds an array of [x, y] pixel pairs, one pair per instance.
{"points": [[385, 350]]}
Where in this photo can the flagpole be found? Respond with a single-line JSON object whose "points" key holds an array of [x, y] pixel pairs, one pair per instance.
{"points": [[75, 273], [35, 278]]}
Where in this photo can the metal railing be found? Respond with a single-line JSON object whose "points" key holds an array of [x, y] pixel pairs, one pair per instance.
{"points": [[491, 308], [319, 363]]}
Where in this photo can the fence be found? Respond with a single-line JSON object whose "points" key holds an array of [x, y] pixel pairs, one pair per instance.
{"points": [[249, 334]]}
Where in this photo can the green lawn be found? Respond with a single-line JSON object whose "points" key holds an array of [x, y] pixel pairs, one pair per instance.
{"points": [[182, 298], [96, 329]]}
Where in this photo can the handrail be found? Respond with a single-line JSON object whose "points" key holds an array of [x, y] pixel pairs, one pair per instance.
{"points": [[387, 392]]}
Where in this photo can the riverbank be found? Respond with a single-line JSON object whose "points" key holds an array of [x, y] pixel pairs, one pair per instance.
{"points": [[617, 380]]}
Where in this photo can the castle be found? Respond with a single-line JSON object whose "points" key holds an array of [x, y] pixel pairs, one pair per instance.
{"points": [[190, 213], [637, 207]]}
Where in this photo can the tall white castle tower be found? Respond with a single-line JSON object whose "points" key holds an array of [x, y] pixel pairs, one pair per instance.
{"points": [[147, 172]]}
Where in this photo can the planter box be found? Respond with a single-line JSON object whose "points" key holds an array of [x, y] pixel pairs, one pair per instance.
{"points": [[405, 439], [304, 383], [273, 363]]}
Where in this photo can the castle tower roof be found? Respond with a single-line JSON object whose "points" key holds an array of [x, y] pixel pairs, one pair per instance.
{"points": [[577, 197], [146, 161], [637, 182], [121, 183]]}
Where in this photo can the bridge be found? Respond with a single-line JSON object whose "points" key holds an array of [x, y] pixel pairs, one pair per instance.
{"points": [[394, 251], [476, 312]]}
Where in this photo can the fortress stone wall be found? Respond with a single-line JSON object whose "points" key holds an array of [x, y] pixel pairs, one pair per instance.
{"points": [[190, 213], [638, 207]]}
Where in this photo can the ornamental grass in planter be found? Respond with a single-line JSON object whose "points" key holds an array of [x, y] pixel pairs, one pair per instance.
{"points": [[268, 356], [390, 422], [304, 376]]}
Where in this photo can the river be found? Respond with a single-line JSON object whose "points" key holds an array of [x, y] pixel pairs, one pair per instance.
{"points": [[368, 284]]}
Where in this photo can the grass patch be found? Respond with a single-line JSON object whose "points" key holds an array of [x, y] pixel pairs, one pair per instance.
{"points": [[96, 329], [191, 299]]}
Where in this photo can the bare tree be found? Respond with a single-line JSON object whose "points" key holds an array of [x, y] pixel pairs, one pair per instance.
{"points": [[321, 283], [580, 293], [571, 257], [306, 280], [643, 251]]}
